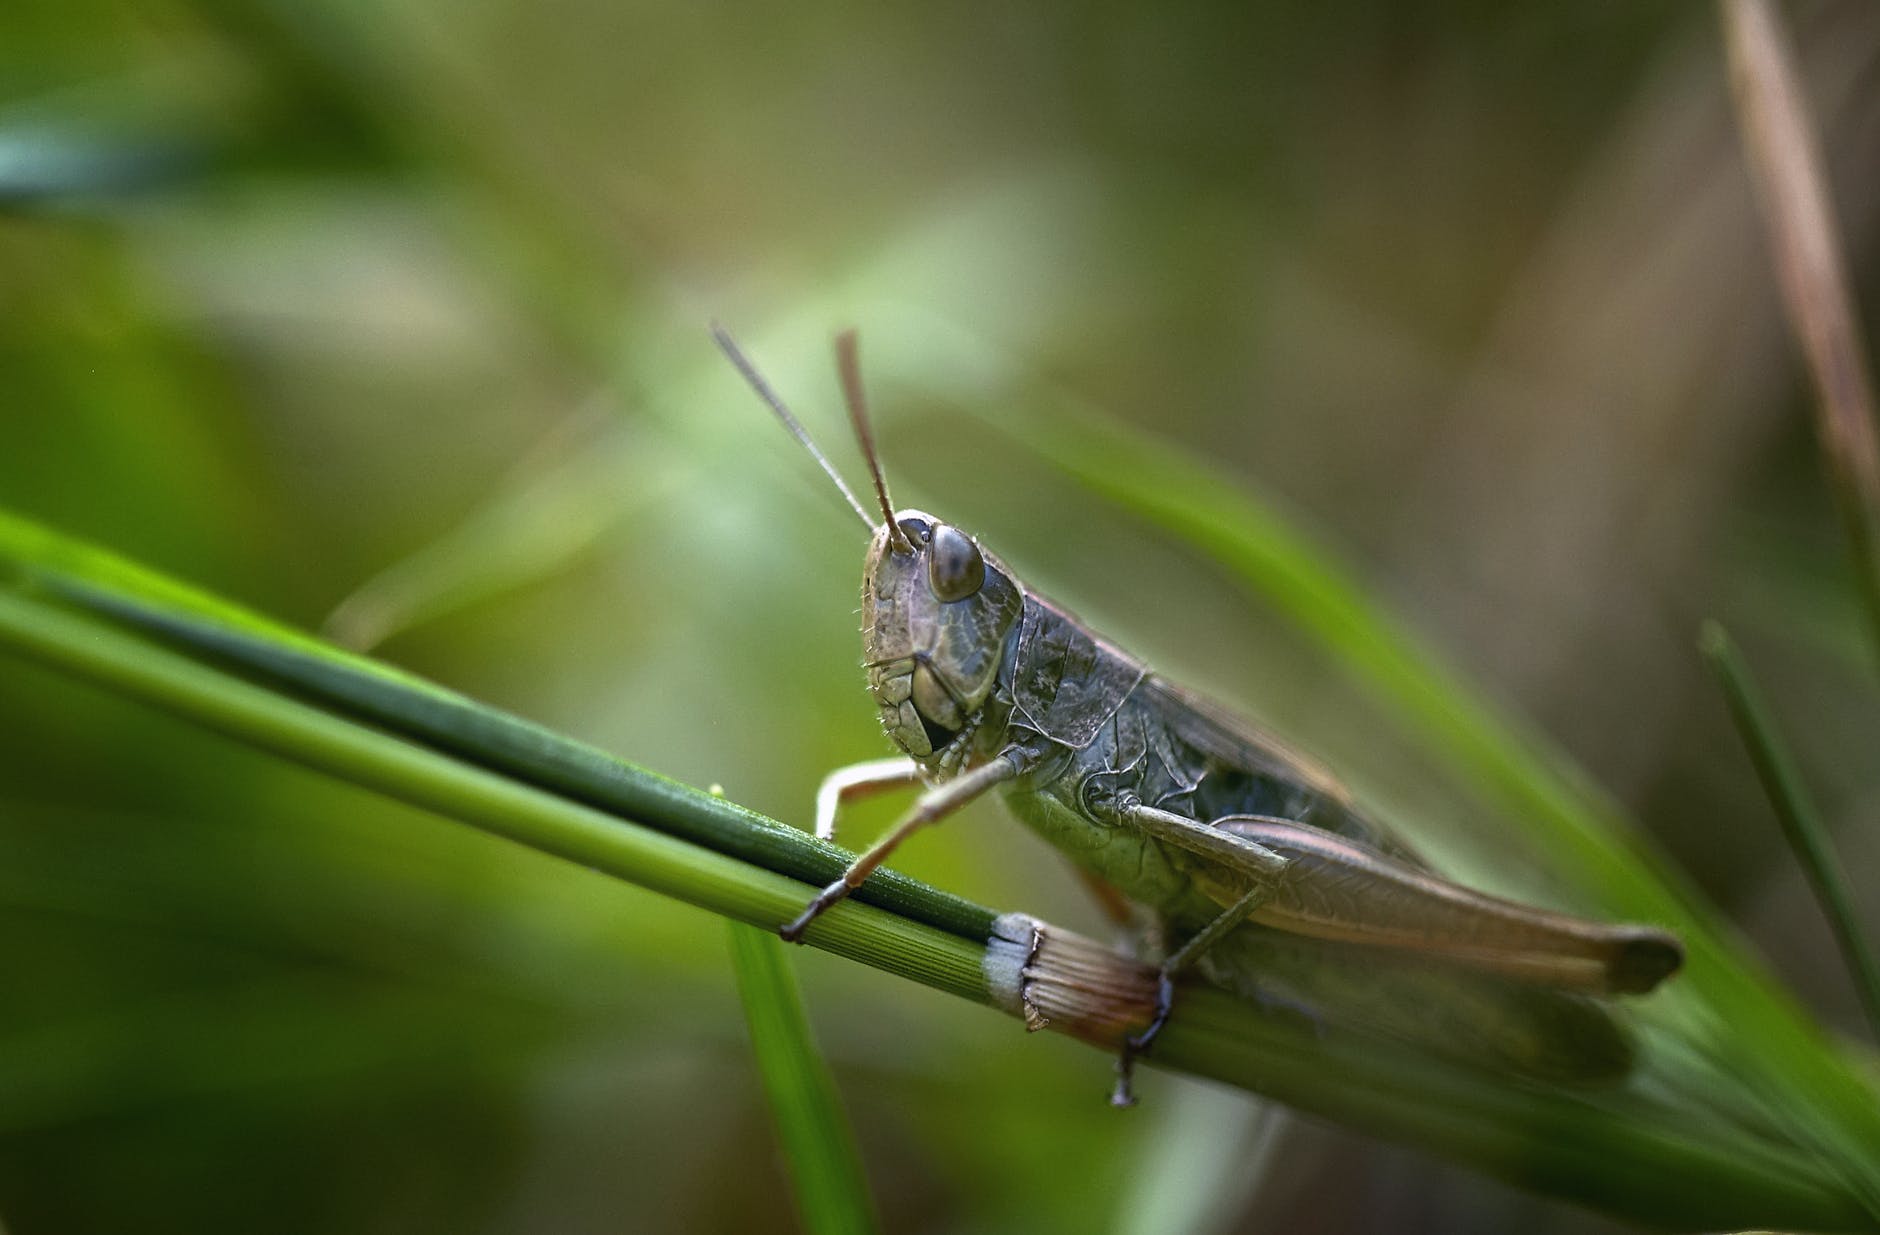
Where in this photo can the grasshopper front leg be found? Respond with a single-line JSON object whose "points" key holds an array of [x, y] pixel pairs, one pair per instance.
{"points": [[859, 780], [934, 805]]}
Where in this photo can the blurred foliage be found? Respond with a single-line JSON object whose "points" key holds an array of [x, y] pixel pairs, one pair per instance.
{"points": [[286, 291]]}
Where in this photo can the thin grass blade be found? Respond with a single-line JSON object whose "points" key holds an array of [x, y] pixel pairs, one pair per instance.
{"points": [[818, 1145], [1802, 826], [555, 506]]}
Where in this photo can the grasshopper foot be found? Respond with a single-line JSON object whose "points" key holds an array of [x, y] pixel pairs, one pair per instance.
{"points": [[1137, 1045], [792, 931]]}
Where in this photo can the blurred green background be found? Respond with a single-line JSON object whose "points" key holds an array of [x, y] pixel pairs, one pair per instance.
{"points": [[399, 310]]}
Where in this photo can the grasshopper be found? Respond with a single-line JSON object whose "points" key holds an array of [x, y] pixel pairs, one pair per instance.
{"points": [[1258, 864]]}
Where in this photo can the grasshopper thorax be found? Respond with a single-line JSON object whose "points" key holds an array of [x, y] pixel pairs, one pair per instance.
{"points": [[936, 613]]}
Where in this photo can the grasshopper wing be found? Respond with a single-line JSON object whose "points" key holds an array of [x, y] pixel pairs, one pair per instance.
{"points": [[1341, 890]]}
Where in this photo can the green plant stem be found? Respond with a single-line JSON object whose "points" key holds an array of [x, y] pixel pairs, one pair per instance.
{"points": [[1802, 827]]}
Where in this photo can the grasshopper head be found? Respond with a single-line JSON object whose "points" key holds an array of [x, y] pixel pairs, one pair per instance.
{"points": [[935, 615], [935, 610]]}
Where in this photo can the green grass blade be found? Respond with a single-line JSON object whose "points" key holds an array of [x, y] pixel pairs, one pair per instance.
{"points": [[554, 506], [818, 1145], [1802, 827], [447, 721], [504, 806], [1208, 1155]]}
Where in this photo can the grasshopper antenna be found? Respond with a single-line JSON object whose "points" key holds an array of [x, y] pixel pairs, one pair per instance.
{"points": [[849, 364], [729, 346]]}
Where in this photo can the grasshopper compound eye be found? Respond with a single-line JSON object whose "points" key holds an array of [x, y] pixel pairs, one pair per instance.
{"points": [[955, 570]]}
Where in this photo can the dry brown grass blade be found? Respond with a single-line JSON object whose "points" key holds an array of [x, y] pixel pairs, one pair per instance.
{"points": [[1787, 172]]}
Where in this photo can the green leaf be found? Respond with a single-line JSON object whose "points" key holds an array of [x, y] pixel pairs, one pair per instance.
{"points": [[818, 1145]]}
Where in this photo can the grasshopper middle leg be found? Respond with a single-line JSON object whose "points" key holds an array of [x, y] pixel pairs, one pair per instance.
{"points": [[1259, 866], [1184, 956]]}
